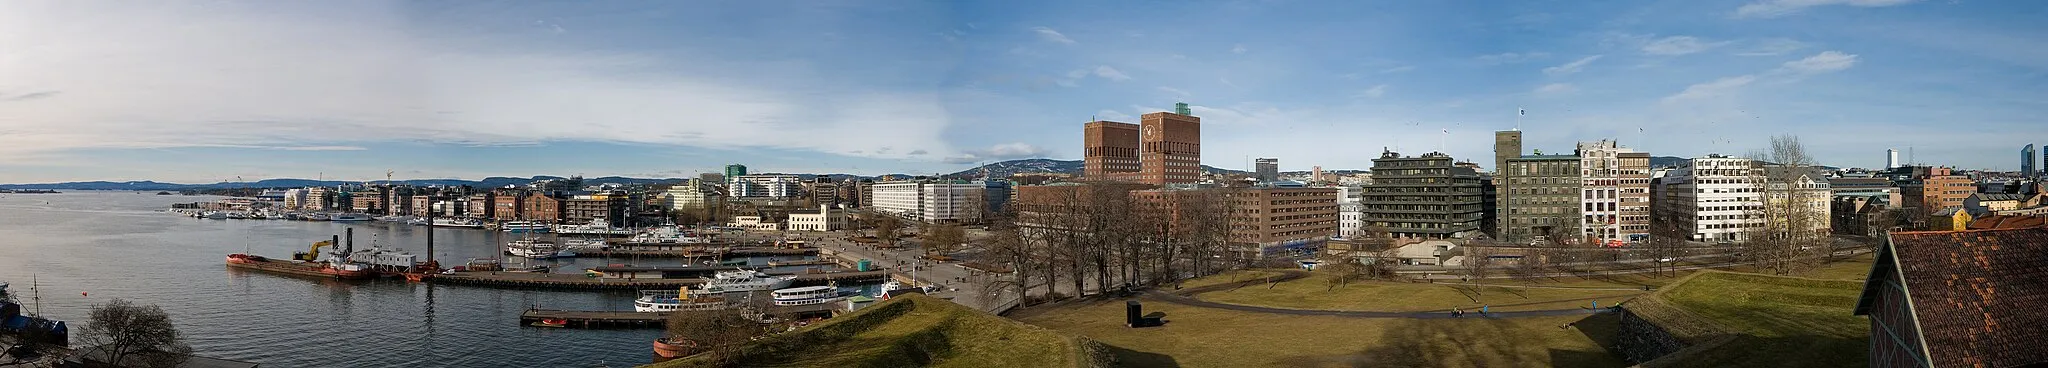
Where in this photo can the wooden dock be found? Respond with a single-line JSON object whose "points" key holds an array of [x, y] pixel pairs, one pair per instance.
{"points": [[561, 281], [596, 319]]}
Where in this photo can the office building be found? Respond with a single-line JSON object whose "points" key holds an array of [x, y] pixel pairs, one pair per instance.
{"points": [[1614, 193], [827, 219], [1891, 159], [1537, 199], [763, 186], [1425, 197], [1927, 190], [1170, 150], [1110, 151], [2027, 161], [692, 194], [1284, 220], [1808, 193], [1714, 198], [1268, 169], [937, 201], [735, 170]]}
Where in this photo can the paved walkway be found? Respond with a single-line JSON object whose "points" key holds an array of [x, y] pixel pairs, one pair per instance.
{"points": [[1186, 297]]}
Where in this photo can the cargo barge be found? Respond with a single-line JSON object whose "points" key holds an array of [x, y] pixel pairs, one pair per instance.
{"points": [[334, 265]]}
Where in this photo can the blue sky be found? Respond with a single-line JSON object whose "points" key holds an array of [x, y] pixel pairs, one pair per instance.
{"points": [[207, 91]]}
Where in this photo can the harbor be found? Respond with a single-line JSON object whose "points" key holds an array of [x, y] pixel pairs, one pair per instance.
{"points": [[565, 282]]}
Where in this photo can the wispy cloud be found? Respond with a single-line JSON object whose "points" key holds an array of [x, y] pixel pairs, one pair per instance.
{"points": [[1555, 88], [1824, 62], [1571, 67], [1511, 57], [1716, 88], [1172, 90], [1374, 92], [1772, 46], [999, 152], [1398, 69], [1679, 45], [1051, 35], [29, 96], [1238, 49], [1778, 8], [1111, 73], [1107, 114]]}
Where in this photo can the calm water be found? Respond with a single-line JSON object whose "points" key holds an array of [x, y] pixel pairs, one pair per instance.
{"points": [[91, 247]]}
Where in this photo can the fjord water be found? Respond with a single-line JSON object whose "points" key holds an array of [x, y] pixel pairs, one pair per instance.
{"points": [[90, 247]]}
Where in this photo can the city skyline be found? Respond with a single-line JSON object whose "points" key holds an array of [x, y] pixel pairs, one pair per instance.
{"points": [[459, 90]]}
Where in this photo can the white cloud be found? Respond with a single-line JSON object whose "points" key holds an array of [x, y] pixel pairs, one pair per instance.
{"points": [[1571, 67], [1374, 92], [1051, 35], [1239, 49], [1172, 90], [1555, 88], [999, 152], [1826, 61], [1778, 8], [1716, 88], [1773, 46], [1511, 57], [1111, 73], [1112, 115], [1679, 45], [1398, 69], [213, 75]]}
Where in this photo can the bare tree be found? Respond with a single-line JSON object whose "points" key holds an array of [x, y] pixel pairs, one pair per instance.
{"points": [[942, 238], [1341, 266], [1476, 262], [719, 332], [132, 335], [886, 225], [1792, 235]]}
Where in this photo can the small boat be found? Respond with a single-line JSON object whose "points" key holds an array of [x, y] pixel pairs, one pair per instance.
{"points": [[808, 295], [595, 227], [163, 193], [551, 322], [672, 347], [314, 217], [214, 215], [458, 222]]}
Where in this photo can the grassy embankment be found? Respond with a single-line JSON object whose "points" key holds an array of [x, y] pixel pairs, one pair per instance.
{"points": [[917, 330]]}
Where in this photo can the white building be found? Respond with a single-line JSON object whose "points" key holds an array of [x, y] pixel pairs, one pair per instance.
{"points": [[691, 194], [1713, 198], [294, 198], [928, 202], [753, 223], [827, 219], [764, 186], [1350, 219], [1809, 187], [1614, 182]]}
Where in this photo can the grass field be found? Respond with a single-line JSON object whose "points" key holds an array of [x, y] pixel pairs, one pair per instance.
{"points": [[916, 330], [1314, 292], [1202, 337], [1780, 321]]}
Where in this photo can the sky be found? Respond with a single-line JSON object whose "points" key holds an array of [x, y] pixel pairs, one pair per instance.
{"points": [[208, 91]]}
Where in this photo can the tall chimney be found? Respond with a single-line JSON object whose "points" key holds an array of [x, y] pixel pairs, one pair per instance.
{"points": [[350, 247]]}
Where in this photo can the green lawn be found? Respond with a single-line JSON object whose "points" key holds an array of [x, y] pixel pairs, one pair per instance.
{"points": [[916, 330], [1202, 337], [1314, 292], [1778, 321]]}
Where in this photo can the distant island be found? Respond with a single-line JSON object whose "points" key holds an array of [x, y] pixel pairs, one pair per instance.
{"points": [[28, 191]]}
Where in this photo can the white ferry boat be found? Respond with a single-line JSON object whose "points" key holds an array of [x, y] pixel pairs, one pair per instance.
{"points": [[533, 249], [740, 281], [458, 222], [677, 300], [808, 295], [523, 227], [350, 217], [595, 227], [666, 235]]}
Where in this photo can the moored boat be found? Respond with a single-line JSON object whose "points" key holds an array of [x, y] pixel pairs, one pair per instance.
{"points": [[314, 263], [673, 347], [523, 227], [808, 295], [350, 217], [533, 249], [678, 300], [740, 281], [458, 222]]}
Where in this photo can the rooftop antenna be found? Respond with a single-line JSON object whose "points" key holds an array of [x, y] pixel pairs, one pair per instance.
{"points": [[1519, 113]]}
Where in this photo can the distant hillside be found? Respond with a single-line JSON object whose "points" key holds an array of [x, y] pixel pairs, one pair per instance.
{"points": [[1012, 167]]}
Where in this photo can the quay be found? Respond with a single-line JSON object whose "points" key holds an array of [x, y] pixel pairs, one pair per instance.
{"points": [[698, 253], [558, 281], [596, 319]]}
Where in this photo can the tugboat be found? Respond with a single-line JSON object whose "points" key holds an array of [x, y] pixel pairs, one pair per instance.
{"points": [[334, 264]]}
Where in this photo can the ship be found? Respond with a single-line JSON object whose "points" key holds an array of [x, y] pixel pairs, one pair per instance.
{"points": [[740, 281], [533, 249], [457, 222], [595, 227], [386, 262], [350, 217], [683, 299], [333, 264], [523, 227]]}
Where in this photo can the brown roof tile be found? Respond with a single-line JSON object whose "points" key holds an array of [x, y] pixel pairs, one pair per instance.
{"points": [[1979, 295]]}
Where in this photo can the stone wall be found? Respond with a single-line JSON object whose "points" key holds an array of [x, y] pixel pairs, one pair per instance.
{"points": [[1641, 340]]}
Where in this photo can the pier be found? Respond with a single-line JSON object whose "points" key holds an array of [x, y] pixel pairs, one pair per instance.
{"points": [[596, 319], [559, 281], [685, 252]]}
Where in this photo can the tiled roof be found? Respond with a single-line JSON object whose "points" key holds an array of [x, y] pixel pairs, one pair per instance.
{"points": [[1949, 211], [1978, 294], [2006, 222], [2001, 197]]}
